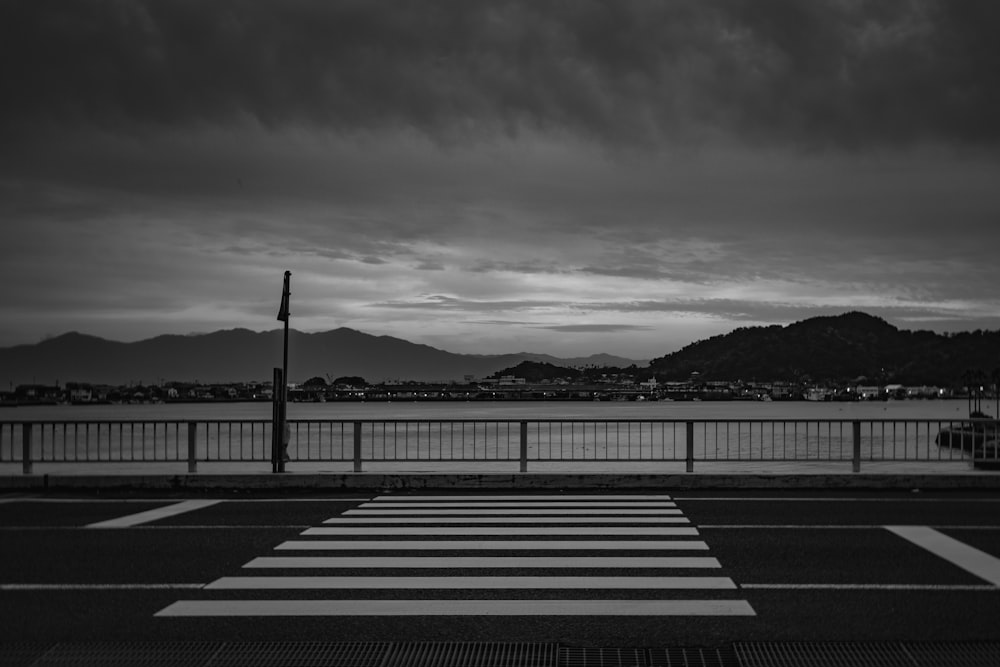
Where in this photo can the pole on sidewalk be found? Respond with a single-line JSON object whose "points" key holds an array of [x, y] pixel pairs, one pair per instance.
{"points": [[277, 428], [280, 427]]}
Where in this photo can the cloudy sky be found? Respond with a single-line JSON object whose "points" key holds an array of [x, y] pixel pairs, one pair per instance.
{"points": [[566, 177]]}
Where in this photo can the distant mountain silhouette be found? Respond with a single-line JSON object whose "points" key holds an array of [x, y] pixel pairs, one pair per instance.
{"points": [[839, 348], [239, 354], [842, 347]]}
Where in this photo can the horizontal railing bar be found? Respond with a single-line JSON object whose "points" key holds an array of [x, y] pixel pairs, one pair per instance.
{"points": [[515, 420], [504, 440]]}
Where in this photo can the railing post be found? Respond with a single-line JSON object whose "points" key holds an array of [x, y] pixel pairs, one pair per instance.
{"points": [[26, 429], [524, 447], [690, 446], [192, 446], [856, 460], [357, 446]]}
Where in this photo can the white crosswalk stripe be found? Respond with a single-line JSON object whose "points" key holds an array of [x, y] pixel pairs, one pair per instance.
{"points": [[628, 505], [458, 608], [470, 583], [523, 548], [650, 531], [489, 545], [480, 511], [355, 520], [522, 562]]}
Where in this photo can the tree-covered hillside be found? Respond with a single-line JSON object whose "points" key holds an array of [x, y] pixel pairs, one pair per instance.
{"points": [[834, 349]]}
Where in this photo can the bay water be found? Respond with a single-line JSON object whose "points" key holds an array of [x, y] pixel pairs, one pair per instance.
{"points": [[445, 410], [432, 432]]}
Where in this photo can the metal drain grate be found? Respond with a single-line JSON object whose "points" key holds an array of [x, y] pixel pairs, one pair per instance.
{"points": [[954, 654], [647, 657], [300, 654], [497, 654], [573, 656], [868, 654], [470, 654], [692, 657], [21, 654], [139, 654]]}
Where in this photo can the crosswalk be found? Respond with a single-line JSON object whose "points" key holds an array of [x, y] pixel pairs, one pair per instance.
{"points": [[505, 555]]}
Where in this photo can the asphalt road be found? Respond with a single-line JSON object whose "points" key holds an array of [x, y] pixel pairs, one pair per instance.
{"points": [[800, 566]]}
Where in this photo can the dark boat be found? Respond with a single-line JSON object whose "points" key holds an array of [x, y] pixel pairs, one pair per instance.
{"points": [[979, 436]]}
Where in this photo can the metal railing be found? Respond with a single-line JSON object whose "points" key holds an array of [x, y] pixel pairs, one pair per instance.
{"points": [[503, 440]]}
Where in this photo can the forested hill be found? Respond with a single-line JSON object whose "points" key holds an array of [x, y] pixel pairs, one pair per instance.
{"points": [[843, 347]]}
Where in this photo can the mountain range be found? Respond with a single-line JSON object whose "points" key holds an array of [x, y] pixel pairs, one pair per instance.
{"points": [[237, 355], [839, 348]]}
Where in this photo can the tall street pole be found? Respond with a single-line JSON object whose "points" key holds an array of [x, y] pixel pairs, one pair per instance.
{"points": [[281, 427], [284, 358]]}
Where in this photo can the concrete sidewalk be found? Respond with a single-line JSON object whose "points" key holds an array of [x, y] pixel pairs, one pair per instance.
{"points": [[313, 476]]}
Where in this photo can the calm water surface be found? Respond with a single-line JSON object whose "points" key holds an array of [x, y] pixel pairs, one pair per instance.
{"points": [[806, 431], [794, 410]]}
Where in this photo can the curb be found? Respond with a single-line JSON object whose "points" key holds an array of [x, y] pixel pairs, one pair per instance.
{"points": [[444, 481]]}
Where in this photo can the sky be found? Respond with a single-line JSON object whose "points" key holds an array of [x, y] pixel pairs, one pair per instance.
{"points": [[565, 177]]}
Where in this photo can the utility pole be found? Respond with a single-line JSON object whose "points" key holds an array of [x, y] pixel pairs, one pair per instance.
{"points": [[280, 430]]}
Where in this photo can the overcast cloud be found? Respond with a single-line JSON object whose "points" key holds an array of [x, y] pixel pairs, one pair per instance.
{"points": [[561, 177]]}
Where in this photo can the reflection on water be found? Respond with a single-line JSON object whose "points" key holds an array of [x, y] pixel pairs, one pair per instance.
{"points": [[436, 431], [792, 410]]}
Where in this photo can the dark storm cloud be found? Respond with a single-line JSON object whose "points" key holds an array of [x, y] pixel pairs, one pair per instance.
{"points": [[827, 72]]}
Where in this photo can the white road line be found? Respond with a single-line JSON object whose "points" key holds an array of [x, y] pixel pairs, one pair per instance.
{"points": [[482, 545], [472, 583], [458, 608], [503, 530], [541, 496], [95, 587], [807, 526], [979, 563], [154, 514], [299, 500], [787, 526], [32, 499], [871, 587], [407, 562], [355, 520], [837, 499], [247, 526], [480, 512], [538, 503]]}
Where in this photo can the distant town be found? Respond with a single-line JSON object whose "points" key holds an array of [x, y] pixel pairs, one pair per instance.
{"points": [[618, 386]]}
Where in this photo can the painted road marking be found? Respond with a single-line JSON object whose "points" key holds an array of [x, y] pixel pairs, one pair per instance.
{"points": [[970, 559], [873, 587], [89, 500], [607, 525], [520, 504], [154, 514], [508, 512], [482, 545], [458, 608], [471, 583], [794, 526], [95, 587], [407, 562], [503, 530], [541, 497], [836, 499], [505, 520], [246, 526]]}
